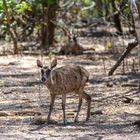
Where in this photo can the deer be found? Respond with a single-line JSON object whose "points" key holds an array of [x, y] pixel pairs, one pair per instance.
{"points": [[64, 80], [72, 46]]}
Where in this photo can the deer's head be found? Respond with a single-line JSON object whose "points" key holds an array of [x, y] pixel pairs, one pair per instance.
{"points": [[72, 38], [46, 70]]}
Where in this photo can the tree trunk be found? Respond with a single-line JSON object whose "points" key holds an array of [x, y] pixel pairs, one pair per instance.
{"points": [[107, 7], [48, 27], [12, 33], [138, 5], [136, 18], [116, 18], [100, 8]]}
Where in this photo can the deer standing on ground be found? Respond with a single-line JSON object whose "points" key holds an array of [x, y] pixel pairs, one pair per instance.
{"points": [[63, 80]]}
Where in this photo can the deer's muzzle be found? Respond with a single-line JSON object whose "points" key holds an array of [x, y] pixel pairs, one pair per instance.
{"points": [[45, 74]]}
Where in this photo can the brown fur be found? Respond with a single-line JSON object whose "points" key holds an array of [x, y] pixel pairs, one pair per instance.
{"points": [[67, 79], [74, 49], [72, 46]]}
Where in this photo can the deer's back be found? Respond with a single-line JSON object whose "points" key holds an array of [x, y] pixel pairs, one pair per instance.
{"points": [[67, 79]]}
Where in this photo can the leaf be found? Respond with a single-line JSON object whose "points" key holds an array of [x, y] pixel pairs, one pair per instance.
{"points": [[109, 45], [50, 2], [87, 2], [20, 8], [50, 53]]}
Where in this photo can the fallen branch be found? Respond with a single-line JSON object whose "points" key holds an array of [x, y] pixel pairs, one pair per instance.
{"points": [[124, 54], [129, 85]]}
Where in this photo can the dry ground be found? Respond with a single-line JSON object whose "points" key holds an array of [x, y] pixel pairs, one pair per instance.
{"points": [[22, 103]]}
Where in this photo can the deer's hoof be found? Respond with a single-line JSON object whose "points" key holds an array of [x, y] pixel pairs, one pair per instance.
{"points": [[65, 123], [76, 120]]}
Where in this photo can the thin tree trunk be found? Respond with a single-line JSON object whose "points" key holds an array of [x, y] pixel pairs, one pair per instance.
{"points": [[48, 28], [116, 18], [136, 18], [13, 35], [138, 5], [107, 7], [100, 8]]}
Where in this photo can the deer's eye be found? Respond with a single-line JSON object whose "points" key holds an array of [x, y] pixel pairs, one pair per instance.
{"points": [[48, 72]]}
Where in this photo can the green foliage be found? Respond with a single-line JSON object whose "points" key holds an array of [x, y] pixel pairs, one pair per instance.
{"points": [[87, 2], [49, 2], [15, 8], [33, 9], [21, 7]]}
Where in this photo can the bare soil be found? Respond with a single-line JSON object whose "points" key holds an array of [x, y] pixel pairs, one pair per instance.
{"points": [[24, 102]]}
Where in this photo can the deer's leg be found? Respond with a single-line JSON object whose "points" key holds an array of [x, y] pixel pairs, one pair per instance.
{"points": [[88, 99], [51, 107], [79, 108], [63, 108]]}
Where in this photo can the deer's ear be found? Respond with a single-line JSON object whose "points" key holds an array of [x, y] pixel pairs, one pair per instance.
{"points": [[53, 63], [39, 63]]}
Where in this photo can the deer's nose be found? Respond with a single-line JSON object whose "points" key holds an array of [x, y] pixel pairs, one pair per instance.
{"points": [[43, 79]]}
